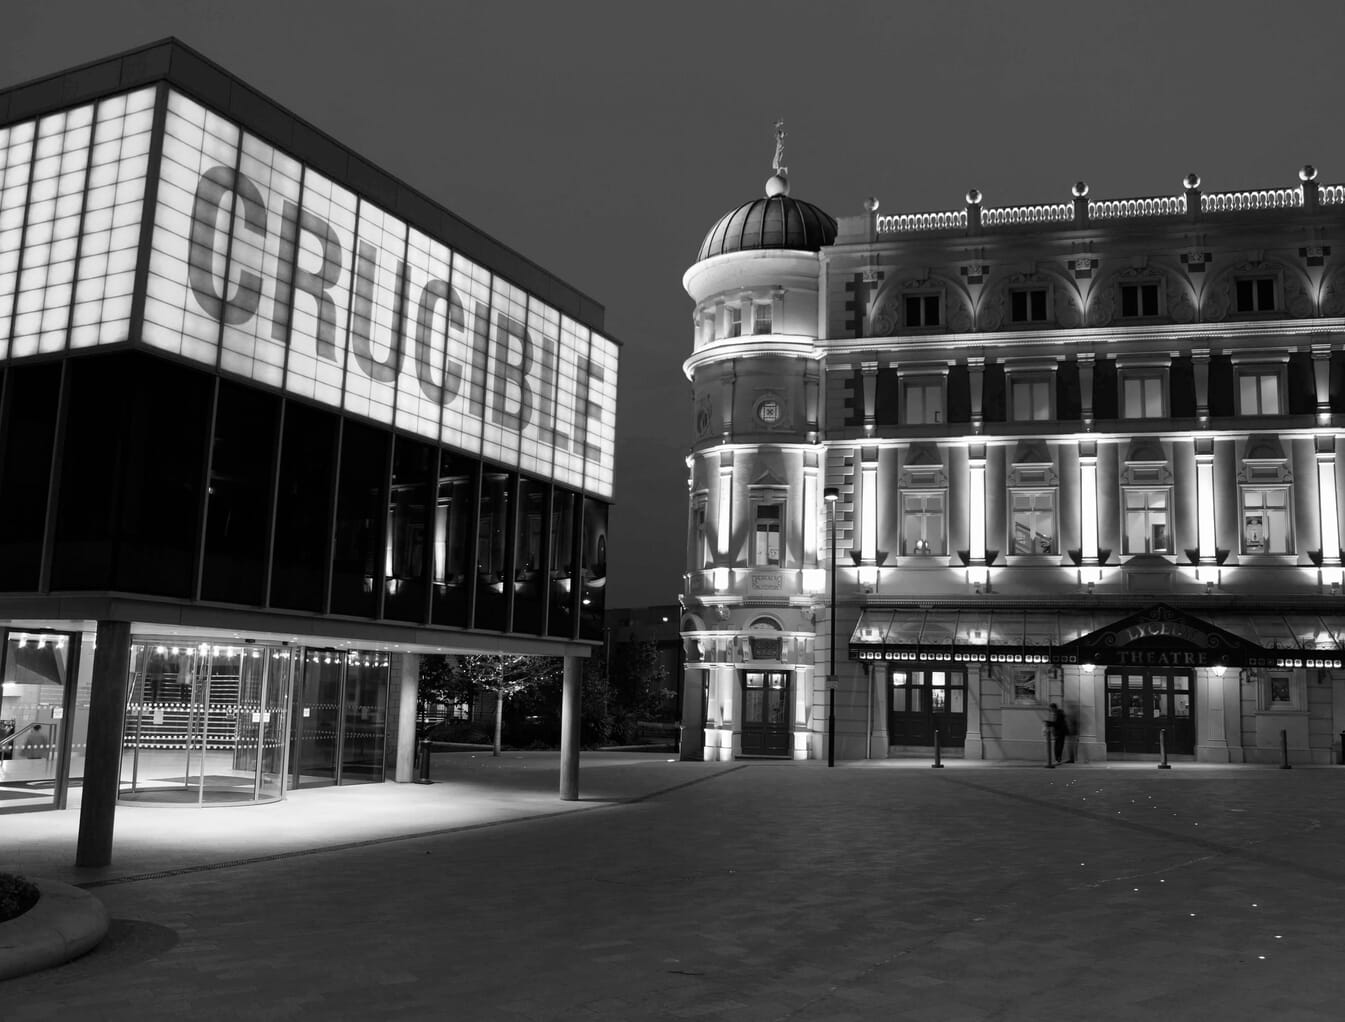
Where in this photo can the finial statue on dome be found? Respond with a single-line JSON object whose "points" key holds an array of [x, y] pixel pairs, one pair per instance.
{"points": [[778, 183]]}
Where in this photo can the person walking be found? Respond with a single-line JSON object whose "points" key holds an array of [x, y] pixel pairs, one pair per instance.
{"points": [[1059, 726]]}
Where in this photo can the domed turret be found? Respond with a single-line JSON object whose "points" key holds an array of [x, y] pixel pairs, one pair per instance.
{"points": [[773, 222]]}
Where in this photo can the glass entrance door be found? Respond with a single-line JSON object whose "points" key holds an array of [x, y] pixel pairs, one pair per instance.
{"points": [[766, 713], [925, 701], [205, 724], [36, 707], [1142, 703], [339, 719]]}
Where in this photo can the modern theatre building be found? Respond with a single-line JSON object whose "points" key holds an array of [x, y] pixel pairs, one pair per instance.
{"points": [[272, 423], [949, 468]]}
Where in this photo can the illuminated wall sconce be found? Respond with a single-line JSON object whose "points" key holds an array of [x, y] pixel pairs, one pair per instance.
{"points": [[979, 579], [721, 579], [814, 579], [1219, 670], [868, 577]]}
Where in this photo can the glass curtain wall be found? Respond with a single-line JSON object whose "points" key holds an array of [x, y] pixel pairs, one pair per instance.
{"points": [[37, 697], [205, 724]]}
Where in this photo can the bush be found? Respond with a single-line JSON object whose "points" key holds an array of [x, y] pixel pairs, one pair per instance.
{"points": [[17, 896]]}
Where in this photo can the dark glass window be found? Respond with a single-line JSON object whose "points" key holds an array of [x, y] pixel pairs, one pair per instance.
{"points": [[358, 546], [238, 511], [303, 508], [922, 310], [28, 432], [409, 531], [1139, 300], [132, 472], [561, 622], [593, 570], [530, 564], [492, 548], [454, 518], [1256, 294], [1028, 305]]}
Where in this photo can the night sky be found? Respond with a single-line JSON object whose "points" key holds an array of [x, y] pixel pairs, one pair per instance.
{"points": [[602, 140]]}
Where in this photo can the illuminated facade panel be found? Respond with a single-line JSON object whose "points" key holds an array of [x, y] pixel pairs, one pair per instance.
{"points": [[265, 269], [113, 209]]}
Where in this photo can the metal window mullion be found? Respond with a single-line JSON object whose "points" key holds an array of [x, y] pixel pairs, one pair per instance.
{"points": [[473, 565], [54, 480], [385, 515], [203, 514], [334, 491], [273, 502]]}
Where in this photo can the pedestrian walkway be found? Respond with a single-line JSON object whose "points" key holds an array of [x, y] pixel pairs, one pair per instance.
{"points": [[744, 891]]}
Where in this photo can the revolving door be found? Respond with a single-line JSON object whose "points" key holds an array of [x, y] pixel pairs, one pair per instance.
{"points": [[206, 724]]}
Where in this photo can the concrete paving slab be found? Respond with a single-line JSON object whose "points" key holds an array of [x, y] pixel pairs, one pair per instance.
{"points": [[738, 891]]}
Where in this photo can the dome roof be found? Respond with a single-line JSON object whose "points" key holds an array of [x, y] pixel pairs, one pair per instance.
{"points": [[775, 221]]}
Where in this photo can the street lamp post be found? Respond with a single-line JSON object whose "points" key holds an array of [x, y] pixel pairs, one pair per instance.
{"points": [[831, 494]]}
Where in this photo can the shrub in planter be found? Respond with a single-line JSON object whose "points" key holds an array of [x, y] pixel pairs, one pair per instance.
{"points": [[17, 896]]}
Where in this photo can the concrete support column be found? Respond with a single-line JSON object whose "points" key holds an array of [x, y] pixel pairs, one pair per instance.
{"points": [[569, 728], [407, 691], [102, 760]]}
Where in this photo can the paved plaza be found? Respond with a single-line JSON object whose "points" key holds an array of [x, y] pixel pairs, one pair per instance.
{"points": [[737, 891]]}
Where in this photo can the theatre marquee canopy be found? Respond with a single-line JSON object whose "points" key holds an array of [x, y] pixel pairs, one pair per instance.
{"points": [[256, 264], [1159, 636]]}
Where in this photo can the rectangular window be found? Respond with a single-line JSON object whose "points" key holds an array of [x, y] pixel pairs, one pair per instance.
{"points": [[1256, 294], [923, 530], [733, 321], [922, 310], [1280, 692], [1034, 522], [1266, 524], [1148, 527], [1028, 305], [1031, 399], [1139, 300], [1258, 392], [761, 319], [922, 402], [767, 548], [1142, 396]]}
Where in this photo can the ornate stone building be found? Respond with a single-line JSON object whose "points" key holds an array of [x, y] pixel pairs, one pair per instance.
{"points": [[949, 468]]}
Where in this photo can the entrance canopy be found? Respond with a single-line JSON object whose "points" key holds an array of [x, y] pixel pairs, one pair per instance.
{"points": [[1157, 636]]}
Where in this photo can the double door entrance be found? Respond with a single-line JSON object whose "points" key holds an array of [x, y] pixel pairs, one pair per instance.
{"points": [[922, 702], [1140, 704], [765, 716]]}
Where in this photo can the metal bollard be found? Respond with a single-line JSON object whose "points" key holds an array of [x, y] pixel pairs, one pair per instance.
{"points": [[1050, 763], [424, 777], [1163, 749], [938, 755], [1284, 750]]}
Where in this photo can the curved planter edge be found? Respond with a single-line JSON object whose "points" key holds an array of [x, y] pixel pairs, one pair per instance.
{"points": [[64, 924]]}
